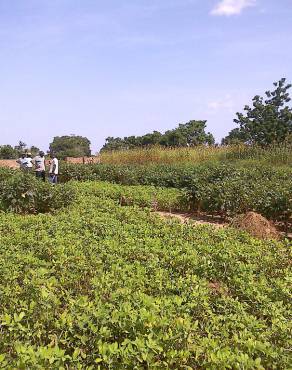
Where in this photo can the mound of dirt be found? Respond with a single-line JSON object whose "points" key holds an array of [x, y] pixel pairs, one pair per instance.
{"points": [[256, 225]]}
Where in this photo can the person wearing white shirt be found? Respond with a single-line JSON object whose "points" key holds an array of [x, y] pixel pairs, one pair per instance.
{"points": [[29, 164], [22, 161], [25, 162], [54, 169]]}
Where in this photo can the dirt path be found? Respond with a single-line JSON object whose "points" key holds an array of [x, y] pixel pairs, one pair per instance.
{"points": [[215, 222], [197, 220]]}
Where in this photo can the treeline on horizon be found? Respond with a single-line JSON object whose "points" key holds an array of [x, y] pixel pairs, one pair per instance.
{"points": [[62, 146], [268, 121]]}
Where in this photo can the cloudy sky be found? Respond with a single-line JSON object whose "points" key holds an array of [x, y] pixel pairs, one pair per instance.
{"points": [[126, 67]]}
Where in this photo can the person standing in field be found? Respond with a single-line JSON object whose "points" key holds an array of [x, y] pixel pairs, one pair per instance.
{"points": [[22, 161], [25, 162], [29, 164], [54, 169], [40, 167]]}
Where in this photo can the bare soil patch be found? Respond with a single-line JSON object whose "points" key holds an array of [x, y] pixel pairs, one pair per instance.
{"points": [[198, 220], [254, 223]]}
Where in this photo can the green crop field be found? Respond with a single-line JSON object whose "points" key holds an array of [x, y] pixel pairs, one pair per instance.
{"points": [[97, 285], [146, 185], [220, 189]]}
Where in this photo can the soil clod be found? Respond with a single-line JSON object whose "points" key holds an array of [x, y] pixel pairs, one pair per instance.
{"points": [[256, 225]]}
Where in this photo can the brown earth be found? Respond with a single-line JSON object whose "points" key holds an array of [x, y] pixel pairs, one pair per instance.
{"points": [[256, 225], [197, 220], [251, 222], [83, 160], [9, 163]]}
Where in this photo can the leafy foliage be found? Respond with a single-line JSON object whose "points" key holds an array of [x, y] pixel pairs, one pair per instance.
{"points": [[268, 121], [8, 152], [113, 287], [189, 134], [23, 193], [6, 173], [70, 146], [152, 197], [218, 189], [235, 137], [23, 148]]}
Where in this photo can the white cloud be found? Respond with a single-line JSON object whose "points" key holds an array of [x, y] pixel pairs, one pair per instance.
{"points": [[225, 103], [232, 7]]}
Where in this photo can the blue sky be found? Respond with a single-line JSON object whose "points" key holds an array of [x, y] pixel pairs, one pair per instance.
{"points": [[128, 67]]}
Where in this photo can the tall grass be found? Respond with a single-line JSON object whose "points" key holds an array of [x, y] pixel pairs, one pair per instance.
{"points": [[275, 154], [165, 155]]}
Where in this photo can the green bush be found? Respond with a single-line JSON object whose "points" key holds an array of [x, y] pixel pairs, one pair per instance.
{"points": [[214, 188], [6, 173], [23, 193], [155, 198]]}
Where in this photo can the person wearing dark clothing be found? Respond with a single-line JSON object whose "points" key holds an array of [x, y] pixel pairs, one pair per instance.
{"points": [[40, 167]]}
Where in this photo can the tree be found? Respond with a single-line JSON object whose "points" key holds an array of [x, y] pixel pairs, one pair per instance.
{"points": [[34, 150], [150, 139], [112, 143], [20, 148], [130, 142], [191, 133], [235, 136], [8, 152], [268, 121], [70, 146], [194, 133]]}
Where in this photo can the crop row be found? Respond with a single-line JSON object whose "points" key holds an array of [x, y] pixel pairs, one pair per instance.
{"points": [[225, 190], [23, 193], [221, 189], [151, 197], [100, 286]]}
